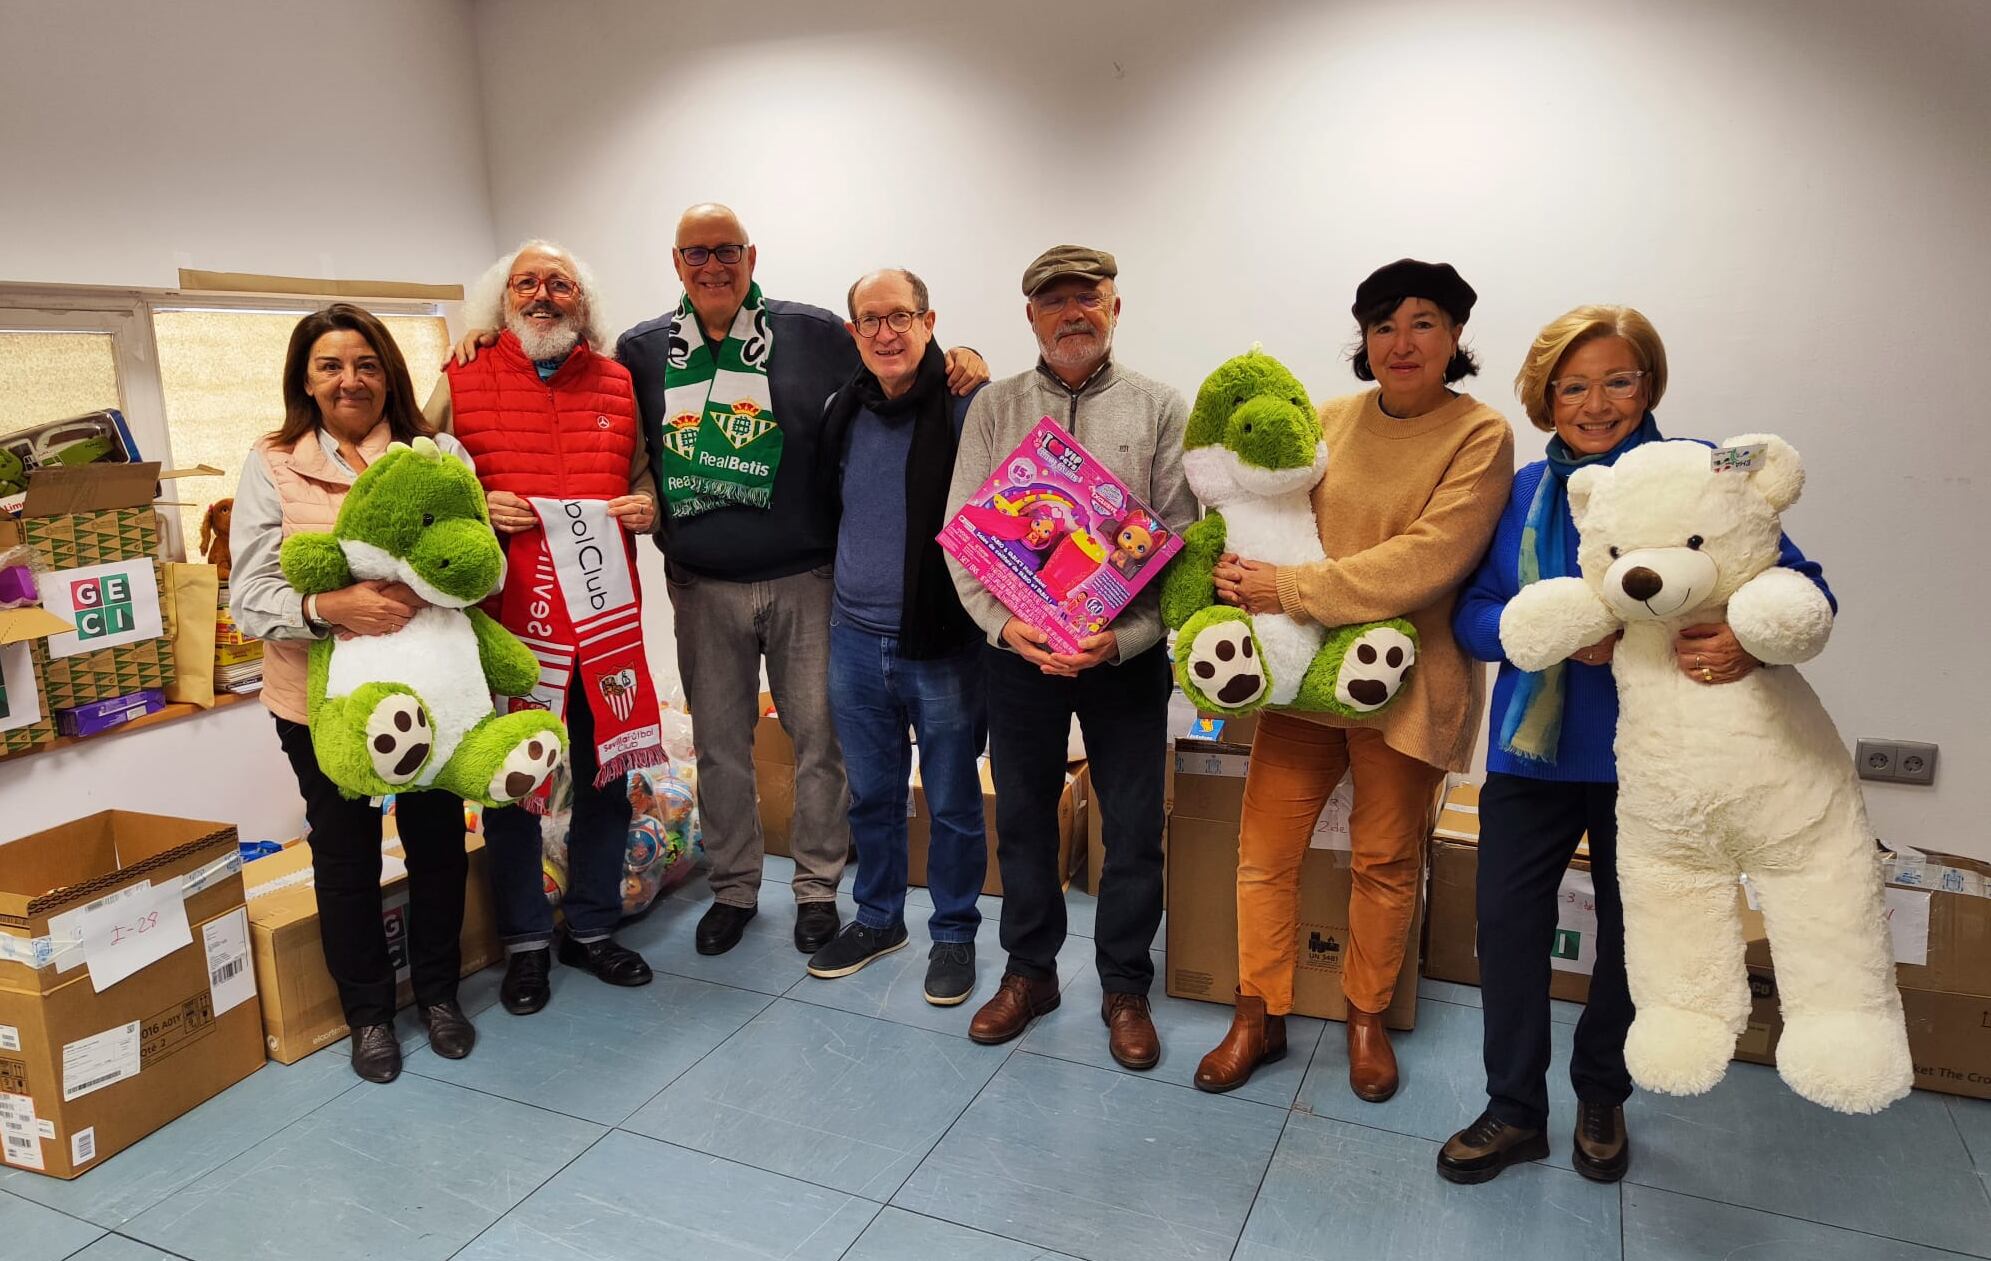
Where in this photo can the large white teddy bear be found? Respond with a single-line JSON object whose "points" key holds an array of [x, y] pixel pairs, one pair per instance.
{"points": [[1747, 777]]}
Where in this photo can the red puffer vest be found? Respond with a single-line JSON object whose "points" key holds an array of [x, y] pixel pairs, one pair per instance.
{"points": [[571, 437]]}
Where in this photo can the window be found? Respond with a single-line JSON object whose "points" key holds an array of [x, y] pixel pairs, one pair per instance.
{"points": [[198, 384], [221, 371]]}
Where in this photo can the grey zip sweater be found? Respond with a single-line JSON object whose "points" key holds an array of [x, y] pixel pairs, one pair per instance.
{"points": [[1130, 423]]}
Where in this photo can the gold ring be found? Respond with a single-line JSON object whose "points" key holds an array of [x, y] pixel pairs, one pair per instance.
{"points": [[1707, 676], [1697, 661]]}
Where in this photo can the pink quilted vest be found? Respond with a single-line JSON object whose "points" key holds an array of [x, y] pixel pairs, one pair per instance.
{"points": [[311, 488]]}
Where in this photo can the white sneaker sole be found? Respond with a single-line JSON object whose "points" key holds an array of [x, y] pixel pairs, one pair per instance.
{"points": [[955, 1001], [831, 974]]}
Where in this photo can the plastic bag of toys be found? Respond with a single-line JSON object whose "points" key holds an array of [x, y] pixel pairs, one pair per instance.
{"points": [[664, 840]]}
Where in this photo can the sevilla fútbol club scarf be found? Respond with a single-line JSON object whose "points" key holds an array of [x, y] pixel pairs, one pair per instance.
{"points": [[571, 595]]}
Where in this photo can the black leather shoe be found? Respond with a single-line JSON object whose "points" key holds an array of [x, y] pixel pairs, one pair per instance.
{"points": [[376, 1055], [451, 1035], [618, 965], [720, 929], [526, 988], [1480, 1151], [1603, 1150], [815, 924]]}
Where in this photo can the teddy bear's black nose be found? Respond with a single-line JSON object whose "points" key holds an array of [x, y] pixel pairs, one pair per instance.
{"points": [[1641, 583]]}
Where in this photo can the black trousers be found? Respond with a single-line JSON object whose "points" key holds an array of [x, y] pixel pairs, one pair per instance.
{"points": [[1123, 712], [345, 864], [1528, 830]]}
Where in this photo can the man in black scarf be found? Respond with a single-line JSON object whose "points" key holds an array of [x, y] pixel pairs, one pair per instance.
{"points": [[902, 650]]}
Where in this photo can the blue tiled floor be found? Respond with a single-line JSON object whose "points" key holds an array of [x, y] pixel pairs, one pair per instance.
{"points": [[739, 1108]]}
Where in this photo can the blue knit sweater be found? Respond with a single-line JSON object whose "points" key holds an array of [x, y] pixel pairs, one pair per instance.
{"points": [[1590, 695]]}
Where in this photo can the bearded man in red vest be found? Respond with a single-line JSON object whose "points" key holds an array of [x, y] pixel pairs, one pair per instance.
{"points": [[553, 427]]}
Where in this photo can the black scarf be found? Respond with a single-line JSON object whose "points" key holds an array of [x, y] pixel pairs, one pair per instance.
{"points": [[932, 622]]}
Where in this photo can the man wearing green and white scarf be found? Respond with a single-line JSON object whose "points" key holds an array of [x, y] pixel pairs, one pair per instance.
{"points": [[732, 387]]}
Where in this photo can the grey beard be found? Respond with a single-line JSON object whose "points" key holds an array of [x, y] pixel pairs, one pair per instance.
{"points": [[553, 343]]}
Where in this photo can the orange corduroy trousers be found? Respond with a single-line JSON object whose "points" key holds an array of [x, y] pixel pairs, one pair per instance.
{"points": [[1295, 765]]}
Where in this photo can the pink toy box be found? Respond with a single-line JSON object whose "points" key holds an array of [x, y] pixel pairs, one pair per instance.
{"points": [[1058, 539]]}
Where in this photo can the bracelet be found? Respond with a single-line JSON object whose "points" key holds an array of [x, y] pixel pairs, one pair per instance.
{"points": [[311, 619]]}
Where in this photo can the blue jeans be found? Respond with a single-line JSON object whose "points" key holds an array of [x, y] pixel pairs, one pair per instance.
{"points": [[874, 695], [597, 839]]}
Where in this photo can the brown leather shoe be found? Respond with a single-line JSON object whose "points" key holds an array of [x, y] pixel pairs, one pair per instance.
{"points": [[1480, 1151], [1016, 1003], [1131, 1032], [1255, 1038], [1603, 1150], [1371, 1062]]}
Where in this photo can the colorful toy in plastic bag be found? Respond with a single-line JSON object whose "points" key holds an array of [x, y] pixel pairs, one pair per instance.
{"points": [[663, 848]]}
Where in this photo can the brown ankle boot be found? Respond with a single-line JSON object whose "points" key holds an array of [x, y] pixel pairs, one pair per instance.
{"points": [[1371, 1062], [1255, 1038]]}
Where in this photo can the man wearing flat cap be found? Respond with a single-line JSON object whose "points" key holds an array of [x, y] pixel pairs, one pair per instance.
{"points": [[1117, 685]]}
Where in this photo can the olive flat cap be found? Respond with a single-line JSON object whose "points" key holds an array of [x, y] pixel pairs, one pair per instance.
{"points": [[1439, 283], [1068, 260]]}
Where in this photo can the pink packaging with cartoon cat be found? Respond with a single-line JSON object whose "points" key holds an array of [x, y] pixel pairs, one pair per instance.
{"points": [[1058, 539]]}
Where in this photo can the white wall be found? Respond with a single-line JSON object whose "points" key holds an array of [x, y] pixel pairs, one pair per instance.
{"points": [[1794, 191], [280, 137]]}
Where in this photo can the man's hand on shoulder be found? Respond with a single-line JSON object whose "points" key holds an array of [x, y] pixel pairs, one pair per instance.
{"points": [[473, 341], [966, 370]]}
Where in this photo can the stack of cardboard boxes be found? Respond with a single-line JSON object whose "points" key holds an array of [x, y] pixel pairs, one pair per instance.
{"points": [[101, 657]]}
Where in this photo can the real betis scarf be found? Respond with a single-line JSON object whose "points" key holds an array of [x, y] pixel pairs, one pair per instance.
{"points": [[722, 443], [1532, 726], [571, 594]]}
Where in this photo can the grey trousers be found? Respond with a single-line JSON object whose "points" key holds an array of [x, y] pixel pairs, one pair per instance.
{"points": [[723, 631]]}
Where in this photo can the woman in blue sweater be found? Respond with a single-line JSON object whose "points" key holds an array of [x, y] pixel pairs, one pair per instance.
{"points": [[1591, 379]]}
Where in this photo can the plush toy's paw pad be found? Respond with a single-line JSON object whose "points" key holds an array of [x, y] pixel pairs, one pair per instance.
{"points": [[1373, 670], [398, 738], [1677, 1052], [1849, 1061], [525, 768], [1224, 661]]}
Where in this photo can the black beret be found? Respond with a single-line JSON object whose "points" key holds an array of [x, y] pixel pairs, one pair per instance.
{"points": [[1409, 278]]}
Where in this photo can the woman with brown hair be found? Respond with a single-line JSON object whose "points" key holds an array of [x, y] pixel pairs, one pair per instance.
{"points": [[347, 395], [1416, 478]]}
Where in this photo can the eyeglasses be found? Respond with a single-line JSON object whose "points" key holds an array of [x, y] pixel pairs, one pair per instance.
{"points": [[558, 286], [897, 321], [699, 255], [1087, 299], [1575, 389]]}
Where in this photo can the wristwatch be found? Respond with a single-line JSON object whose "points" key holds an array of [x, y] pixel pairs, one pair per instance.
{"points": [[312, 622]]}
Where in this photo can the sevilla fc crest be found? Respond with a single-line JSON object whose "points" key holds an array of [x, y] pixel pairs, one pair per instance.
{"points": [[619, 690]]}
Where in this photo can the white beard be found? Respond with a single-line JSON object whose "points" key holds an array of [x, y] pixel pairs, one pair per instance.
{"points": [[555, 342]]}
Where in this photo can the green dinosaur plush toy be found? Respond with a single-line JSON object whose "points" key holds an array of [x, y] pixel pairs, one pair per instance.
{"points": [[1253, 454], [13, 473], [413, 709]]}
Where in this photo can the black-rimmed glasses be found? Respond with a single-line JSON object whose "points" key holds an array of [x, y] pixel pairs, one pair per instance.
{"points": [[699, 255], [897, 321]]}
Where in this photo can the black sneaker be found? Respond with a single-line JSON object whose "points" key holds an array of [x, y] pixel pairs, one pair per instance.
{"points": [[950, 972], [854, 947]]}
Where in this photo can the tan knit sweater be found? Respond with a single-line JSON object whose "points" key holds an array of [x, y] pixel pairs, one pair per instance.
{"points": [[1405, 512]]}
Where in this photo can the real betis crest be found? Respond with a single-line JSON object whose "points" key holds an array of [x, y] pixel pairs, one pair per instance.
{"points": [[682, 436], [743, 424]]}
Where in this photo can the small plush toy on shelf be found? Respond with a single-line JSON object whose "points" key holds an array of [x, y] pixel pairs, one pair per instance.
{"points": [[214, 535], [1253, 454], [412, 709]]}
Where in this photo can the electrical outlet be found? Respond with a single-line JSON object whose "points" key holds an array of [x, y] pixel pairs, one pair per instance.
{"points": [[1876, 759], [1914, 763]]}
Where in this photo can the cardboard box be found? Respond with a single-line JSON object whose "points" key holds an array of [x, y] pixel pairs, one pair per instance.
{"points": [[774, 779], [1071, 829], [301, 1011], [85, 1074], [97, 514], [27, 720], [1939, 910], [1451, 945], [1202, 894]]}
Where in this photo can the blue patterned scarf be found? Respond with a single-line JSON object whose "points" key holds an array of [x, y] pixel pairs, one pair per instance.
{"points": [[1531, 728]]}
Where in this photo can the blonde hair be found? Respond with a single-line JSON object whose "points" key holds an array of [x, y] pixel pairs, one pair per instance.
{"points": [[1573, 328]]}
